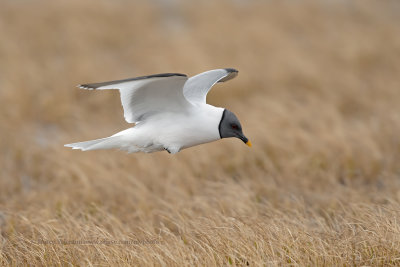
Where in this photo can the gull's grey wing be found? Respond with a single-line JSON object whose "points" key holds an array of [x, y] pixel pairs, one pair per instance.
{"points": [[197, 87], [143, 96]]}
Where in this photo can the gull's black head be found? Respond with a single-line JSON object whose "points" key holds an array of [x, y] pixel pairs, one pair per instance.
{"points": [[229, 126]]}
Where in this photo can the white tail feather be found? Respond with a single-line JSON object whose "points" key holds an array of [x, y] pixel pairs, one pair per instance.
{"points": [[124, 140], [103, 143]]}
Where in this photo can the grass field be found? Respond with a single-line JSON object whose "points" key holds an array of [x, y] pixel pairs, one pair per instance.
{"points": [[318, 94]]}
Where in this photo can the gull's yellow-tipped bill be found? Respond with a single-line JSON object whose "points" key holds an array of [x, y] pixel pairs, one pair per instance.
{"points": [[249, 143]]}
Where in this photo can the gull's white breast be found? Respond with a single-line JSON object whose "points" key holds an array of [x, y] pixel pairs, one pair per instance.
{"points": [[175, 131]]}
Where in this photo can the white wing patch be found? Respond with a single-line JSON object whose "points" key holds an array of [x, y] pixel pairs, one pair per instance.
{"points": [[197, 87], [143, 96]]}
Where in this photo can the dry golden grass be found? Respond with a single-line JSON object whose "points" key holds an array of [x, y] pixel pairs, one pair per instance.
{"points": [[318, 94]]}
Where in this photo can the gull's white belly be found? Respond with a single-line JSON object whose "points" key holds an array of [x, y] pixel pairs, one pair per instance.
{"points": [[175, 131]]}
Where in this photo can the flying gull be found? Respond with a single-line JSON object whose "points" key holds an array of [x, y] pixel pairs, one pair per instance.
{"points": [[170, 113]]}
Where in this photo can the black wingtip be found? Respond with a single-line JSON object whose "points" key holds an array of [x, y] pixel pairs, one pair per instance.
{"points": [[232, 73], [230, 70], [86, 86]]}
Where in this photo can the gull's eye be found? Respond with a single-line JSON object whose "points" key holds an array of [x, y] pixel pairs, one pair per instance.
{"points": [[235, 127]]}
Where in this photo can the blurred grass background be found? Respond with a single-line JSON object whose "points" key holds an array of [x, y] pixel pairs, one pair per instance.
{"points": [[317, 94]]}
